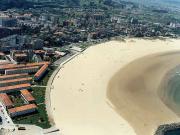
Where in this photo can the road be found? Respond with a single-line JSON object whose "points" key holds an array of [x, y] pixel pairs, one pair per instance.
{"points": [[62, 59]]}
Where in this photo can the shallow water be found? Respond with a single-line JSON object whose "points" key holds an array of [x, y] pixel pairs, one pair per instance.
{"points": [[173, 132], [173, 88]]}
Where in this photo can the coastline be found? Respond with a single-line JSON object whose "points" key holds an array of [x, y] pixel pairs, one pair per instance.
{"points": [[118, 63], [169, 88], [49, 89], [139, 92]]}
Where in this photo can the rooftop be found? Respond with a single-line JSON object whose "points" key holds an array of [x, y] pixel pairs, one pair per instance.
{"points": [[16, 80], [4, 63], [10, 66], [39, 51], [27, 95], [22, 108], [24, 68], [21, 55], [2, 54], [20, 86], [14, 75], [41, 70], [6, 100]]}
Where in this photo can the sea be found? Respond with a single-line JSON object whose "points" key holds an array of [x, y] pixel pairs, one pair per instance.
{"points": [[173, 132], [173, 87]]}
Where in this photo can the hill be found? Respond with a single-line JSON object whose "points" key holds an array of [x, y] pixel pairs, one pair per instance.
{"points": [[168, 4], [6, 4]]}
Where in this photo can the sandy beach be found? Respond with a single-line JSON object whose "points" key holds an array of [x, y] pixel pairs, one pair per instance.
{"points": [[114, 88]]}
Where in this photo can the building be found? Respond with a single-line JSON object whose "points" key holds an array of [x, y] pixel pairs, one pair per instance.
{"points": [[15, 81], [174, 25], [6, 21], [61, 54], [41, 72], [37, 44], [22, 70], [19, 56], [12, 40], [14, 66], [6, 100], [39, 52], [8, 89], [98, 16], [7, 31], [4, 62], [28, 98], [22, 56], [14, 76], [22, 110], [2, 55]]}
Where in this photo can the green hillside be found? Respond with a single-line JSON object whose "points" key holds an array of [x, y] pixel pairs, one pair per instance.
{"points": [[5, 4]]}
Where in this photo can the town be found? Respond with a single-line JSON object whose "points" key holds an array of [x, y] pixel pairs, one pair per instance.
{"points": [[34, 41]]}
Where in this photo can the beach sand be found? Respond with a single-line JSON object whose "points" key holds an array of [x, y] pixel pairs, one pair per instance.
{"points": [[113, 89]]}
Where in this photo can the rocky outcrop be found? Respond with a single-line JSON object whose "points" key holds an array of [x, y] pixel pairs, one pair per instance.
{"points": [[162, 129]]}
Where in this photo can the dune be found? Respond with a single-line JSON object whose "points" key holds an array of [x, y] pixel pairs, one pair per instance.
{"points": [[114, 88]]}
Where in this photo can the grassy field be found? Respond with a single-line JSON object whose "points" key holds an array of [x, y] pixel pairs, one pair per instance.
{"points": [[39, 94], [40, 117]]}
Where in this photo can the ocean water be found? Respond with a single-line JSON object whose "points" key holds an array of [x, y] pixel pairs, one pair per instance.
{"points": [[173, 132], [173, 88]]}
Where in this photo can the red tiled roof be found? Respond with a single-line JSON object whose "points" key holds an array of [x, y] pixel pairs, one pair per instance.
{"points": [[14, 75], [41, 70], [27, 95], [14, 69], [11, 66], [17, 80], [6, 100], [39, 51], [7, 88], [22, 108]]}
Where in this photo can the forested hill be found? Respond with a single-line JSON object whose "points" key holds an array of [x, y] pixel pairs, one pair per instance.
{"points": [[169, 4], [5, 4], [72, 3]]}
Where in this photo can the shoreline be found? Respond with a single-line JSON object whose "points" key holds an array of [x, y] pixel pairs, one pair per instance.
{"points": [[49, 89], [167, 91], [139, 92], [84, 54]]}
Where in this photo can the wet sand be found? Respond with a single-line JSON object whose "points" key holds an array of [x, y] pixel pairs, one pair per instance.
{"points": [[134, 91], [113, 88]]}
